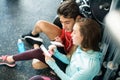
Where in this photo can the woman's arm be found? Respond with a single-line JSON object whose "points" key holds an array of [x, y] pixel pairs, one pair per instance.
{"points": [[54, 52], [61, 57]]}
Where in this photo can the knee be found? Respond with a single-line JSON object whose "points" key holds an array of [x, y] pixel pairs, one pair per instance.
{"points": [[36, 64], [37, 77], [40, 23]]}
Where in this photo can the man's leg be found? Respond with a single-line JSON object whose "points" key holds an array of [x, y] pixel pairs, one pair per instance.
{"points": [[47, 28]]}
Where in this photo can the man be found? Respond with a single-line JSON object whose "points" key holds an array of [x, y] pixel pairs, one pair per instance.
{"points": [[68, 12]]}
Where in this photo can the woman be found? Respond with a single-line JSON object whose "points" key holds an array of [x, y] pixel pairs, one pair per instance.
{"points": [[85, 61]]}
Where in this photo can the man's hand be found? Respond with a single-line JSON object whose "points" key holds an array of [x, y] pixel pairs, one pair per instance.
{"points": [[58, 39]]}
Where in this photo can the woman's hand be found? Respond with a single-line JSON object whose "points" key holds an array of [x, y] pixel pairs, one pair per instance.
{"points": [[51, 49]]}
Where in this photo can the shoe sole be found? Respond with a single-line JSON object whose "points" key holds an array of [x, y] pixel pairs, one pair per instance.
{"points": [[35, 39], [9, 65]]}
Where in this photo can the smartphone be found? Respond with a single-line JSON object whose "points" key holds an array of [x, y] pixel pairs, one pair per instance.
{"points": [[45, 50]]}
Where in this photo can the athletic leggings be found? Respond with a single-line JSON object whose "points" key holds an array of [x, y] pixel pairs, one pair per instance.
{"points": [[37, 54]]}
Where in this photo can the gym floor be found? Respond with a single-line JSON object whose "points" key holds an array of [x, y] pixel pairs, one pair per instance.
{"points": [[18, 17]]}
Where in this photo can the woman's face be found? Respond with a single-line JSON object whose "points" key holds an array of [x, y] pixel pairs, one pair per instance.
{"points": [[76, 35]]}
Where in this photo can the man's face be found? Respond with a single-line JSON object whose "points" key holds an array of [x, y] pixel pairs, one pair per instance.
{"points": [[67, 23]]}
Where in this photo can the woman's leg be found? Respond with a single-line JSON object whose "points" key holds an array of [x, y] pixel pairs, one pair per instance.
{"points": [[37, 77], [30, 54], [27, 55], [36, 63], [34, 54]]}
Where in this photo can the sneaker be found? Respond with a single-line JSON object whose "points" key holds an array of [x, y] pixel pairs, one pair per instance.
{"points": [[33, 40], [29, 34], [3, 61]]}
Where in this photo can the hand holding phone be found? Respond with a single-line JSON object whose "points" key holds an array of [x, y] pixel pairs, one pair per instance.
{"points": [[45, 50]]}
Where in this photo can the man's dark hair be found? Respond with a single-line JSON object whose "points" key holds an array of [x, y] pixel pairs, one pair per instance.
{"points": [[68, 9]]}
